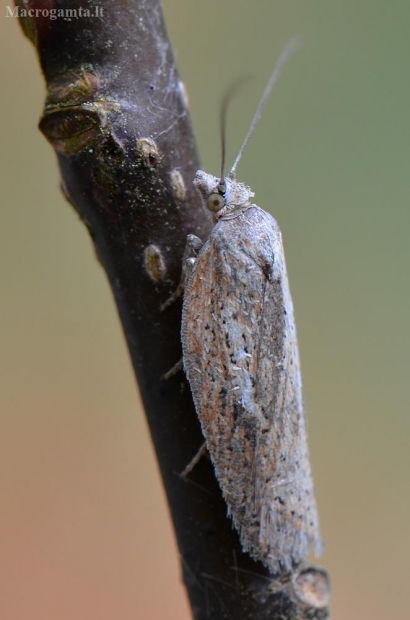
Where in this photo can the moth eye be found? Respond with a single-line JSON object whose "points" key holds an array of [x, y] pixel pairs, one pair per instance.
{"points": [[215, 202]]}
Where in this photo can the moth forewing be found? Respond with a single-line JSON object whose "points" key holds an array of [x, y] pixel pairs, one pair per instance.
{"points": [[241, 359]]}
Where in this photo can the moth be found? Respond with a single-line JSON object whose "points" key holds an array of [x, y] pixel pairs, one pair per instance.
{"points": [[240, 356]]}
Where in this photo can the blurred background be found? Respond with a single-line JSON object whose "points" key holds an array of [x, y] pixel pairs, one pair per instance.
{"points": [[84, 529]]}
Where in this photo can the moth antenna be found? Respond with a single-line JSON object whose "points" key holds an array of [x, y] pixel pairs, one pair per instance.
{"points": [[290, 48], [224, 109], [222, 186]]}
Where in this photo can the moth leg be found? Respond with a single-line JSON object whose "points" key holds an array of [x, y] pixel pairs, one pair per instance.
{"points": [[192, 247], [194, 461], [172, 371]]}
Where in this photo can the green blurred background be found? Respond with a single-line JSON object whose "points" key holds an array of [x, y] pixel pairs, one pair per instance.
{"points": [[84, 530]]}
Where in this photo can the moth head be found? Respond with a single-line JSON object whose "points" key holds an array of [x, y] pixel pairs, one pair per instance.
{"points": [[221, 198]]}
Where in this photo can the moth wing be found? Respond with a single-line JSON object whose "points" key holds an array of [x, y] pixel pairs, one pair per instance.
{"points": [[284, 491], [240, 357], [222, 305]]}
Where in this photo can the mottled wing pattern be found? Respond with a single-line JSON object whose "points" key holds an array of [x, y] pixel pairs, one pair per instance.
{"points": [[241, 359]]}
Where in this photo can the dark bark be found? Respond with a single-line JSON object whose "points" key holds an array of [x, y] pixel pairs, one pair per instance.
{"points": [[116, 115]]}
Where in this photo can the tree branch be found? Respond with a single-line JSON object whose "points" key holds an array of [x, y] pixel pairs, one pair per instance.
{"points": [[116, 115]]}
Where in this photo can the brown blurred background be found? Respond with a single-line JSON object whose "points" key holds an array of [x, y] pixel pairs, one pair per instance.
{"points": [[84, 530]]}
